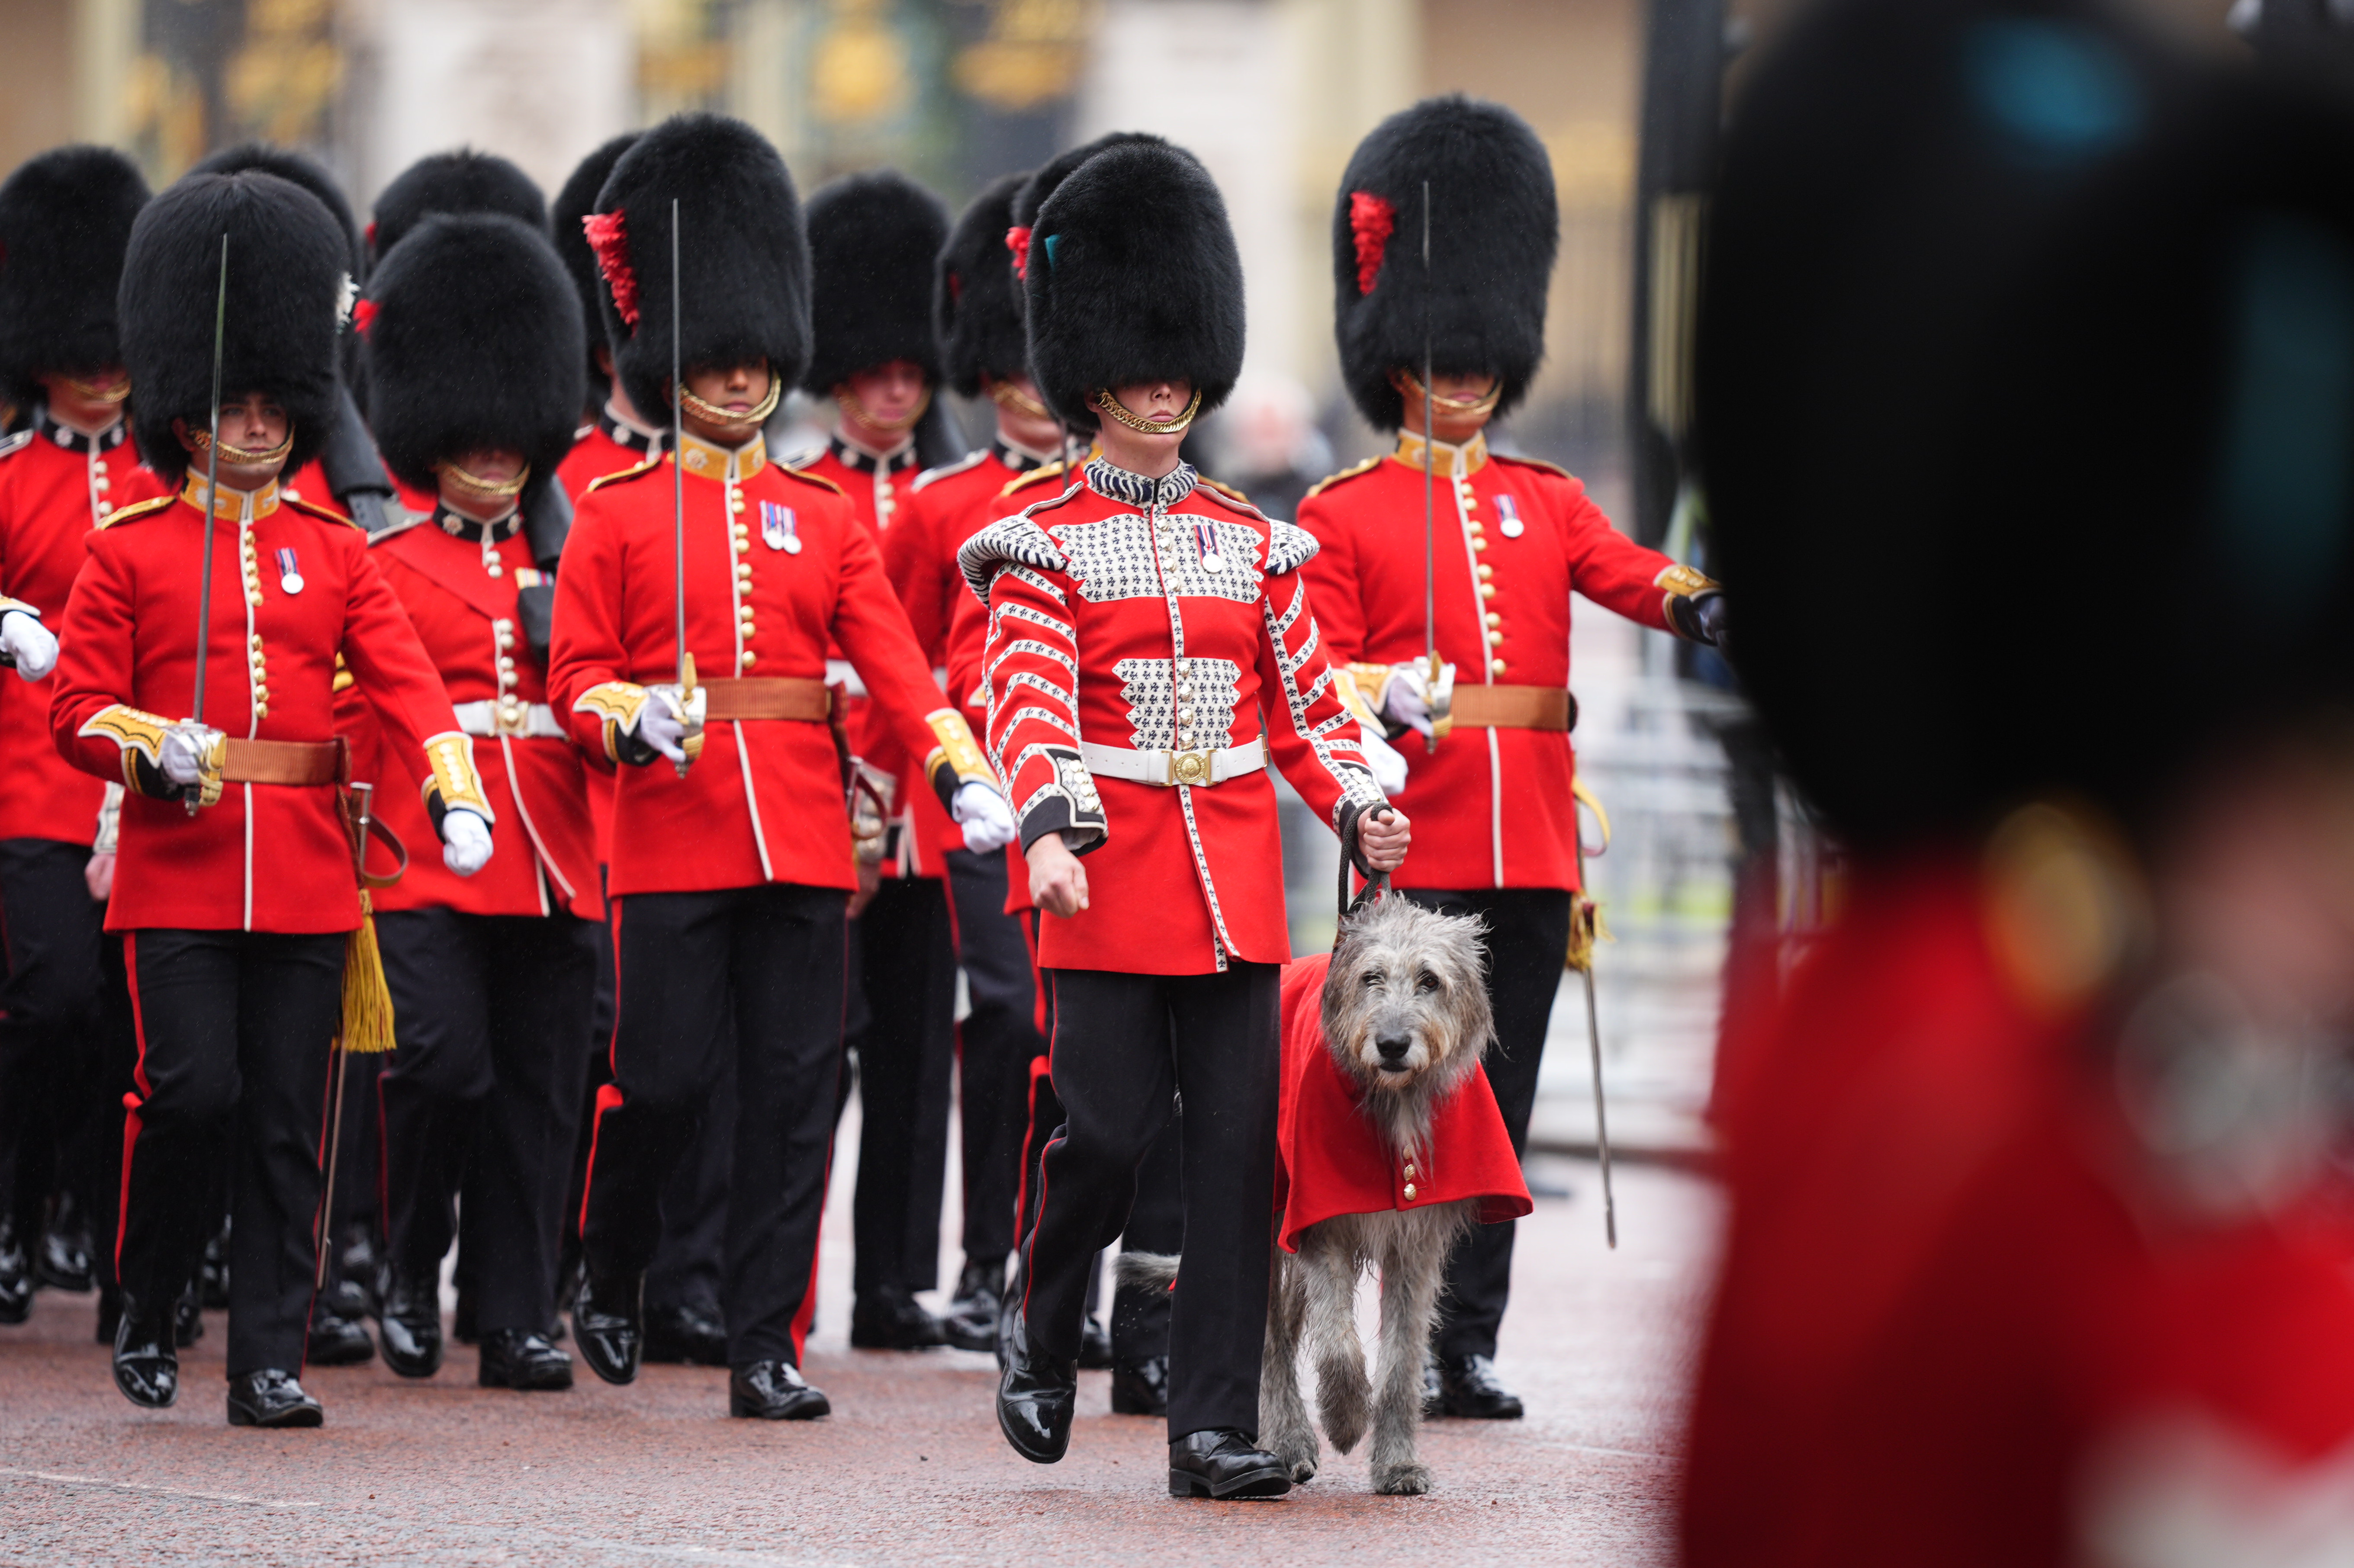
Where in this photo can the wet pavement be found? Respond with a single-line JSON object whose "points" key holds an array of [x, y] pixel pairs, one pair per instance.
{"points": [[910, 1469]]}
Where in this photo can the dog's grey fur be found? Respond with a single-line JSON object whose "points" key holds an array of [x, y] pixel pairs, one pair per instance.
{"points": [[1415, 980]]}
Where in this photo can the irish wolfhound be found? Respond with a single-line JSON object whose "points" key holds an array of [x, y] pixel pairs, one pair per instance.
{"points": [[1404, 1016]]}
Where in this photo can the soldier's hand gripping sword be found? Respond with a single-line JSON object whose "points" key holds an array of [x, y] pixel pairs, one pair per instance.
{"points": [[207, 788], [690, 701], [1584, 930]]}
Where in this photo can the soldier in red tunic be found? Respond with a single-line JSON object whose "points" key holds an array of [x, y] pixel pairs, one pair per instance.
{"points": [[235, 888], [65, 217], [732, 863], [613, 435], [1169, 624], [474, 374], [1493, 774]]}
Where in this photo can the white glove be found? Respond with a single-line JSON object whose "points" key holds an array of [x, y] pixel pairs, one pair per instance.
{"points": [[185, 747], [1388, 763], [665, 724], [28, 642], [988, 821], [465, 840], [1408, 699]]}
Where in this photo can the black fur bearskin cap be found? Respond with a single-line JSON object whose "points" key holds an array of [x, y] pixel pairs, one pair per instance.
{"points": [[576, 201], [286, 299], [305, 171], [744, 256], [1045, 179], [64, 219], [462, 181], [2005, 313], [875, 240], [1494, 227], [976, 303], [473, 343], [1133, 276]]}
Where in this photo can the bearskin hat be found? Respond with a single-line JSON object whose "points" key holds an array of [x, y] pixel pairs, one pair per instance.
{"points": [[1494, 227], [65, 217], [462, 181], [976, 303], [286, 303], [874, 239], [575, 202], [473, 343], [1133, 276], [745, 294], [2005, 315], [301, 169], [1047, 177]]}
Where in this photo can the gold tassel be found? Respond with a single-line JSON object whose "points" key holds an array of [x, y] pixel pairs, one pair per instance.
{"points": [[368, 1000]]}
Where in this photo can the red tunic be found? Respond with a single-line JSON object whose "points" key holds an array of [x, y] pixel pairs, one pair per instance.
{"points": [[1491, 807], [265, 857], [764, 801], [56, 486], [605, 446], [1331, 1159], [1110, 588], [466, 619]]}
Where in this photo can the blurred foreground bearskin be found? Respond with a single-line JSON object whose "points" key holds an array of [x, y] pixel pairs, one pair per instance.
{"points": [[1494, 227], [64, 219], [874, 239], [462, 181], [976, 299], [1133, 276], [575, 202], [287, 275]]}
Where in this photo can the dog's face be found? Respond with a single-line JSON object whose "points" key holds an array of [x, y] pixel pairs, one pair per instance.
{"points": [[1405, 1000]]}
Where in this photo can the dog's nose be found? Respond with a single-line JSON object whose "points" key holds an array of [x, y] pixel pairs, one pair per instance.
{"points": [[1392, 1048]]}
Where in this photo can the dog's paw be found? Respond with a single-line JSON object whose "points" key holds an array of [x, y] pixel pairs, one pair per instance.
{"points": [[1297, 1451], [1410, 1479]]}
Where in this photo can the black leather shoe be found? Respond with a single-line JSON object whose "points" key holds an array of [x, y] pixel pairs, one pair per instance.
{"points": [[608, 1323], [187, 1318], [1034, 1397], [352, 1291], [1225, 1463], [685, 1336], [1095, 1347], [62, 1260], [146, 1361], [212, 1274], [774, 1390], [336, 1341], [1468, 1390], [272, 1398], [519, 1359], [16, 1277], [1140, 1388], [411, 1322], [972, 1320], [890, 1318]]}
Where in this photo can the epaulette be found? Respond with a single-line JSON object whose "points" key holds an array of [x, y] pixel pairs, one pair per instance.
{"points": [[314, 509], [1039, 475], [807, 478], [1232, 497], [1495, 456], [11, 445], [946, 469], [801, 459], [393, 531], [140, 509], [1328, 481], [1222, 488], [618, 475]]}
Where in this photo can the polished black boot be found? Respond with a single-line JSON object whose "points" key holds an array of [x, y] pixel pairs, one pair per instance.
{"points": [[1035, 1397], [609, 1321], [521, 1360], [411, 1322], [1469, 1388], [15, 1274], [349, 1292], [1140, 1388], [272, 1398], [1225, 1463], [187, 1318], [972, 1320], [890, 1318], [774, 1390], [335, 1341], [685, 1336], [1095, 1347], [62, 1260], [146, 1361]]}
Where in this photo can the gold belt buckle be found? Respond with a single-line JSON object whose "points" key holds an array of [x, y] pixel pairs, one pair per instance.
{"points": [[509, 716], [1190, 767]]}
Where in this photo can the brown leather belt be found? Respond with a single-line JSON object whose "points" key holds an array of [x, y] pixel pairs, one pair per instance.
{"points": [[1515, 707], [300, 762], [766, 697]]}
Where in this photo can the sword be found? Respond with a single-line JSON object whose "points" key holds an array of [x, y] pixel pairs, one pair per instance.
{"points": [[678, 490], [360, 796], [212, 490], [1585, 929], [1430, 482]]}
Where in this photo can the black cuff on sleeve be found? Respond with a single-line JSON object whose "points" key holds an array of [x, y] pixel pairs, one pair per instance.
{"points": [[628, 749], [146, 778]]}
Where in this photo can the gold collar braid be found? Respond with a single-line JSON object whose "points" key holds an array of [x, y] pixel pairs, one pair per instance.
{"points": [[115, 394], [203, 439], [1483, 404], [1006, 395], [480, 489], [847, 401], [1118, 410], [756, 415]]}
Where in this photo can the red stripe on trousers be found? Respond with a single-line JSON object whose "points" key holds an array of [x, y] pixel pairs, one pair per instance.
{"points": [[608, 1094]]}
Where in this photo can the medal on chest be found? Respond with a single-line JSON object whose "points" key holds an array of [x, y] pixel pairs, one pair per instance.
{"points": [[290, 571], [780, 530], [1205, 541], [1509, 511]]}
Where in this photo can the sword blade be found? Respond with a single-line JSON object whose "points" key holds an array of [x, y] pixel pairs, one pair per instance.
{"points": [[678, 472], [212, 490], [1430, 474], [1601, 1116]]}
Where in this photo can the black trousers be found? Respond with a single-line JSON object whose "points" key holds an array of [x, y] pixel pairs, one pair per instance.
{"points": [[995, 1046], [1528, 938], [1156, 1223], [235, 1031], [1123, 1044], [52, 1083], [690, 1262], [906, 965], [492, 1017], [774, 958]]}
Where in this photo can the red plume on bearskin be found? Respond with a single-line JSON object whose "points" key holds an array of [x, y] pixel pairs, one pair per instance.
{"points": [[978, 302], [1017, 240], [1372, 221], [363, 316], [609, 237]]}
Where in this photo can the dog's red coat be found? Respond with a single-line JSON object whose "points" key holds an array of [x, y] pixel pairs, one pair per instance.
{"points": [[1331, 1157]]}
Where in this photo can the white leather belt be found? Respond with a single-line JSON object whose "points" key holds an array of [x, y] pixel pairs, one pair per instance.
{"points": [[534, 721], [1172, 767]]}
